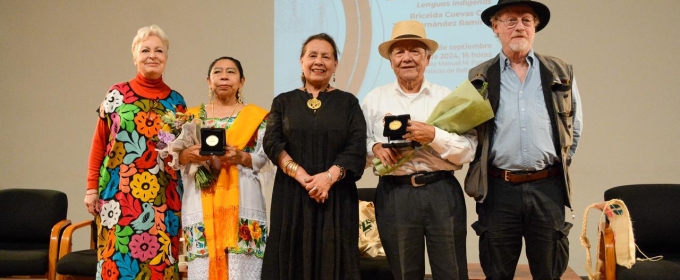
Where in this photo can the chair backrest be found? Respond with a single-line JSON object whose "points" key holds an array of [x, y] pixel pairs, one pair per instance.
{"points": [[656, 222], [366, 194], [28, 216]]}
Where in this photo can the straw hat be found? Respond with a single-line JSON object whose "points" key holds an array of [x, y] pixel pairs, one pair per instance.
{"points": [[407, 30], [541, 10]]}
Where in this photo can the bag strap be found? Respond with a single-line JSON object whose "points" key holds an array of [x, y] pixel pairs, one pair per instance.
{"points": [[592, 275]]}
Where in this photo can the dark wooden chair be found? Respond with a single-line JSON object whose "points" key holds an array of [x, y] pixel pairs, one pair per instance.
{"points": [[373, 267], [30, 226], [80, 264], [656, 226]]}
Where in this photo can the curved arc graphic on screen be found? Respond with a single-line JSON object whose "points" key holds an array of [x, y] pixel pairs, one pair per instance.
{"points": [[357, 47]]}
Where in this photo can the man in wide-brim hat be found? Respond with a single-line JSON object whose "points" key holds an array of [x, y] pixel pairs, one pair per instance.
{"points": [[521, 166], [541, 12], [420, 202]]}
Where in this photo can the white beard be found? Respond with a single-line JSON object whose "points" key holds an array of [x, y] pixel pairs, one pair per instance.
{"points": [[519, 46]]}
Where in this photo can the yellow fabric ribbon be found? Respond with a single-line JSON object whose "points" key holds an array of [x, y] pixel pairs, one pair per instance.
{"points": [[221, 202]]}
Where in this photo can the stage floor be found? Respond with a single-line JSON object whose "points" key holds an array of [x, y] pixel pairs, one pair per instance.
{"points": [[522, 273]]}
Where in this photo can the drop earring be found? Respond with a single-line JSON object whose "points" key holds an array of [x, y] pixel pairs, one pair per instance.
{"points": [[239, 96]]}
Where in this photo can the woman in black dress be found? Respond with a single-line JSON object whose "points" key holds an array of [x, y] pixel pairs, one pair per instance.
{"points": [[317, 136]]}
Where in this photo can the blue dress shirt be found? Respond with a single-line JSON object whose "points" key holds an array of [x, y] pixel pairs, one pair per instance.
{"points": [[523, 137]]}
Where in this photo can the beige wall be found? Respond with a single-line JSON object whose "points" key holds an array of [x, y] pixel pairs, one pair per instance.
{"points": [[58, 58]]}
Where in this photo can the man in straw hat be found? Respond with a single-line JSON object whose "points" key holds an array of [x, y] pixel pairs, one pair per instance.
{"points": [[520, 171], [420, 199]]}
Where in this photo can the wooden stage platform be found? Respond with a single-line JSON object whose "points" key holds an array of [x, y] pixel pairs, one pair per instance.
{"points": [[475, 273], [522, 273]]}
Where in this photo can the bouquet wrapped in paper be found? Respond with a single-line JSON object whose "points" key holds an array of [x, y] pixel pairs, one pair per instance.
{"points": [[181, 131], [461, 110]]}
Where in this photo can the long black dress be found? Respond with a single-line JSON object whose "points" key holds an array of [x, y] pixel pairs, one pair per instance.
{"points": [[310, 240]]}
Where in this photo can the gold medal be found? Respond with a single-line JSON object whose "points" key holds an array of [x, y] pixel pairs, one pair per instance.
{"points": [[395, 124], [314, 103]]}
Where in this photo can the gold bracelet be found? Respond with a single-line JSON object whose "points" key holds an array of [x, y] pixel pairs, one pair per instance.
{"points": [[293, 170], [289, 168], [286, 167]]}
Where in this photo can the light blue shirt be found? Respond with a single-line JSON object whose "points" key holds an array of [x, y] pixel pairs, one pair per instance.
{"points": [[522, 121]]}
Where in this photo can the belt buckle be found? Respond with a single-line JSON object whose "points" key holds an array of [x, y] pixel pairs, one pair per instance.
{"points": [[413, 180], [505, 175]]}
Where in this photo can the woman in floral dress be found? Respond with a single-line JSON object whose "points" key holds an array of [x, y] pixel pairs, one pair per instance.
{"points": [[230, 213], [131, 191]]}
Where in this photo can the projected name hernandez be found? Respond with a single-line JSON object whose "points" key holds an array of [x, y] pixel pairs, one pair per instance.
{"points": [[453, 3], [451, 23]]}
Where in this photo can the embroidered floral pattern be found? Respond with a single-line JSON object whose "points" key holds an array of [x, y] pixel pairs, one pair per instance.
{"points": [[169, 275], [244, 233], [251, 238], [111, 186], [116, 155], [144, 246], [148, 159], [195, 241], [255, 230], [144, 186], [115, 128], [140, 197], [129, 96], [145, 219], [110, 246], [172, 198], [126, 171], [110, 214], [110, 270], [113, 99], [148, 123]]}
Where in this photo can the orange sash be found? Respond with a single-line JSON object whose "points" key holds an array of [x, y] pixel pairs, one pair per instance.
{"points": [[221, 202]]}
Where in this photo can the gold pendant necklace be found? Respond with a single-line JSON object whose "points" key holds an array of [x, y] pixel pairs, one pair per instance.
{"points": [[315, 103]]}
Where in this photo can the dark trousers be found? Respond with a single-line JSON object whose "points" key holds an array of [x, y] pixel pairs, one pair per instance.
{"points": [[410, 218], [533, 211]]}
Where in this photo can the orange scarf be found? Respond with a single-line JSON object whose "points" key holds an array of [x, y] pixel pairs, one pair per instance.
{"points": [[221, 202]]}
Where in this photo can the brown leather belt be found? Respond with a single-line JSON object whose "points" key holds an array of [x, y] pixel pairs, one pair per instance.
{"points": [[418, 179], [524, 176]]}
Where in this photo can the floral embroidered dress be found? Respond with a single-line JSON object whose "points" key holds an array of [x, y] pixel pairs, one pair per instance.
{"points": [[245, 260], [139, 194]]}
